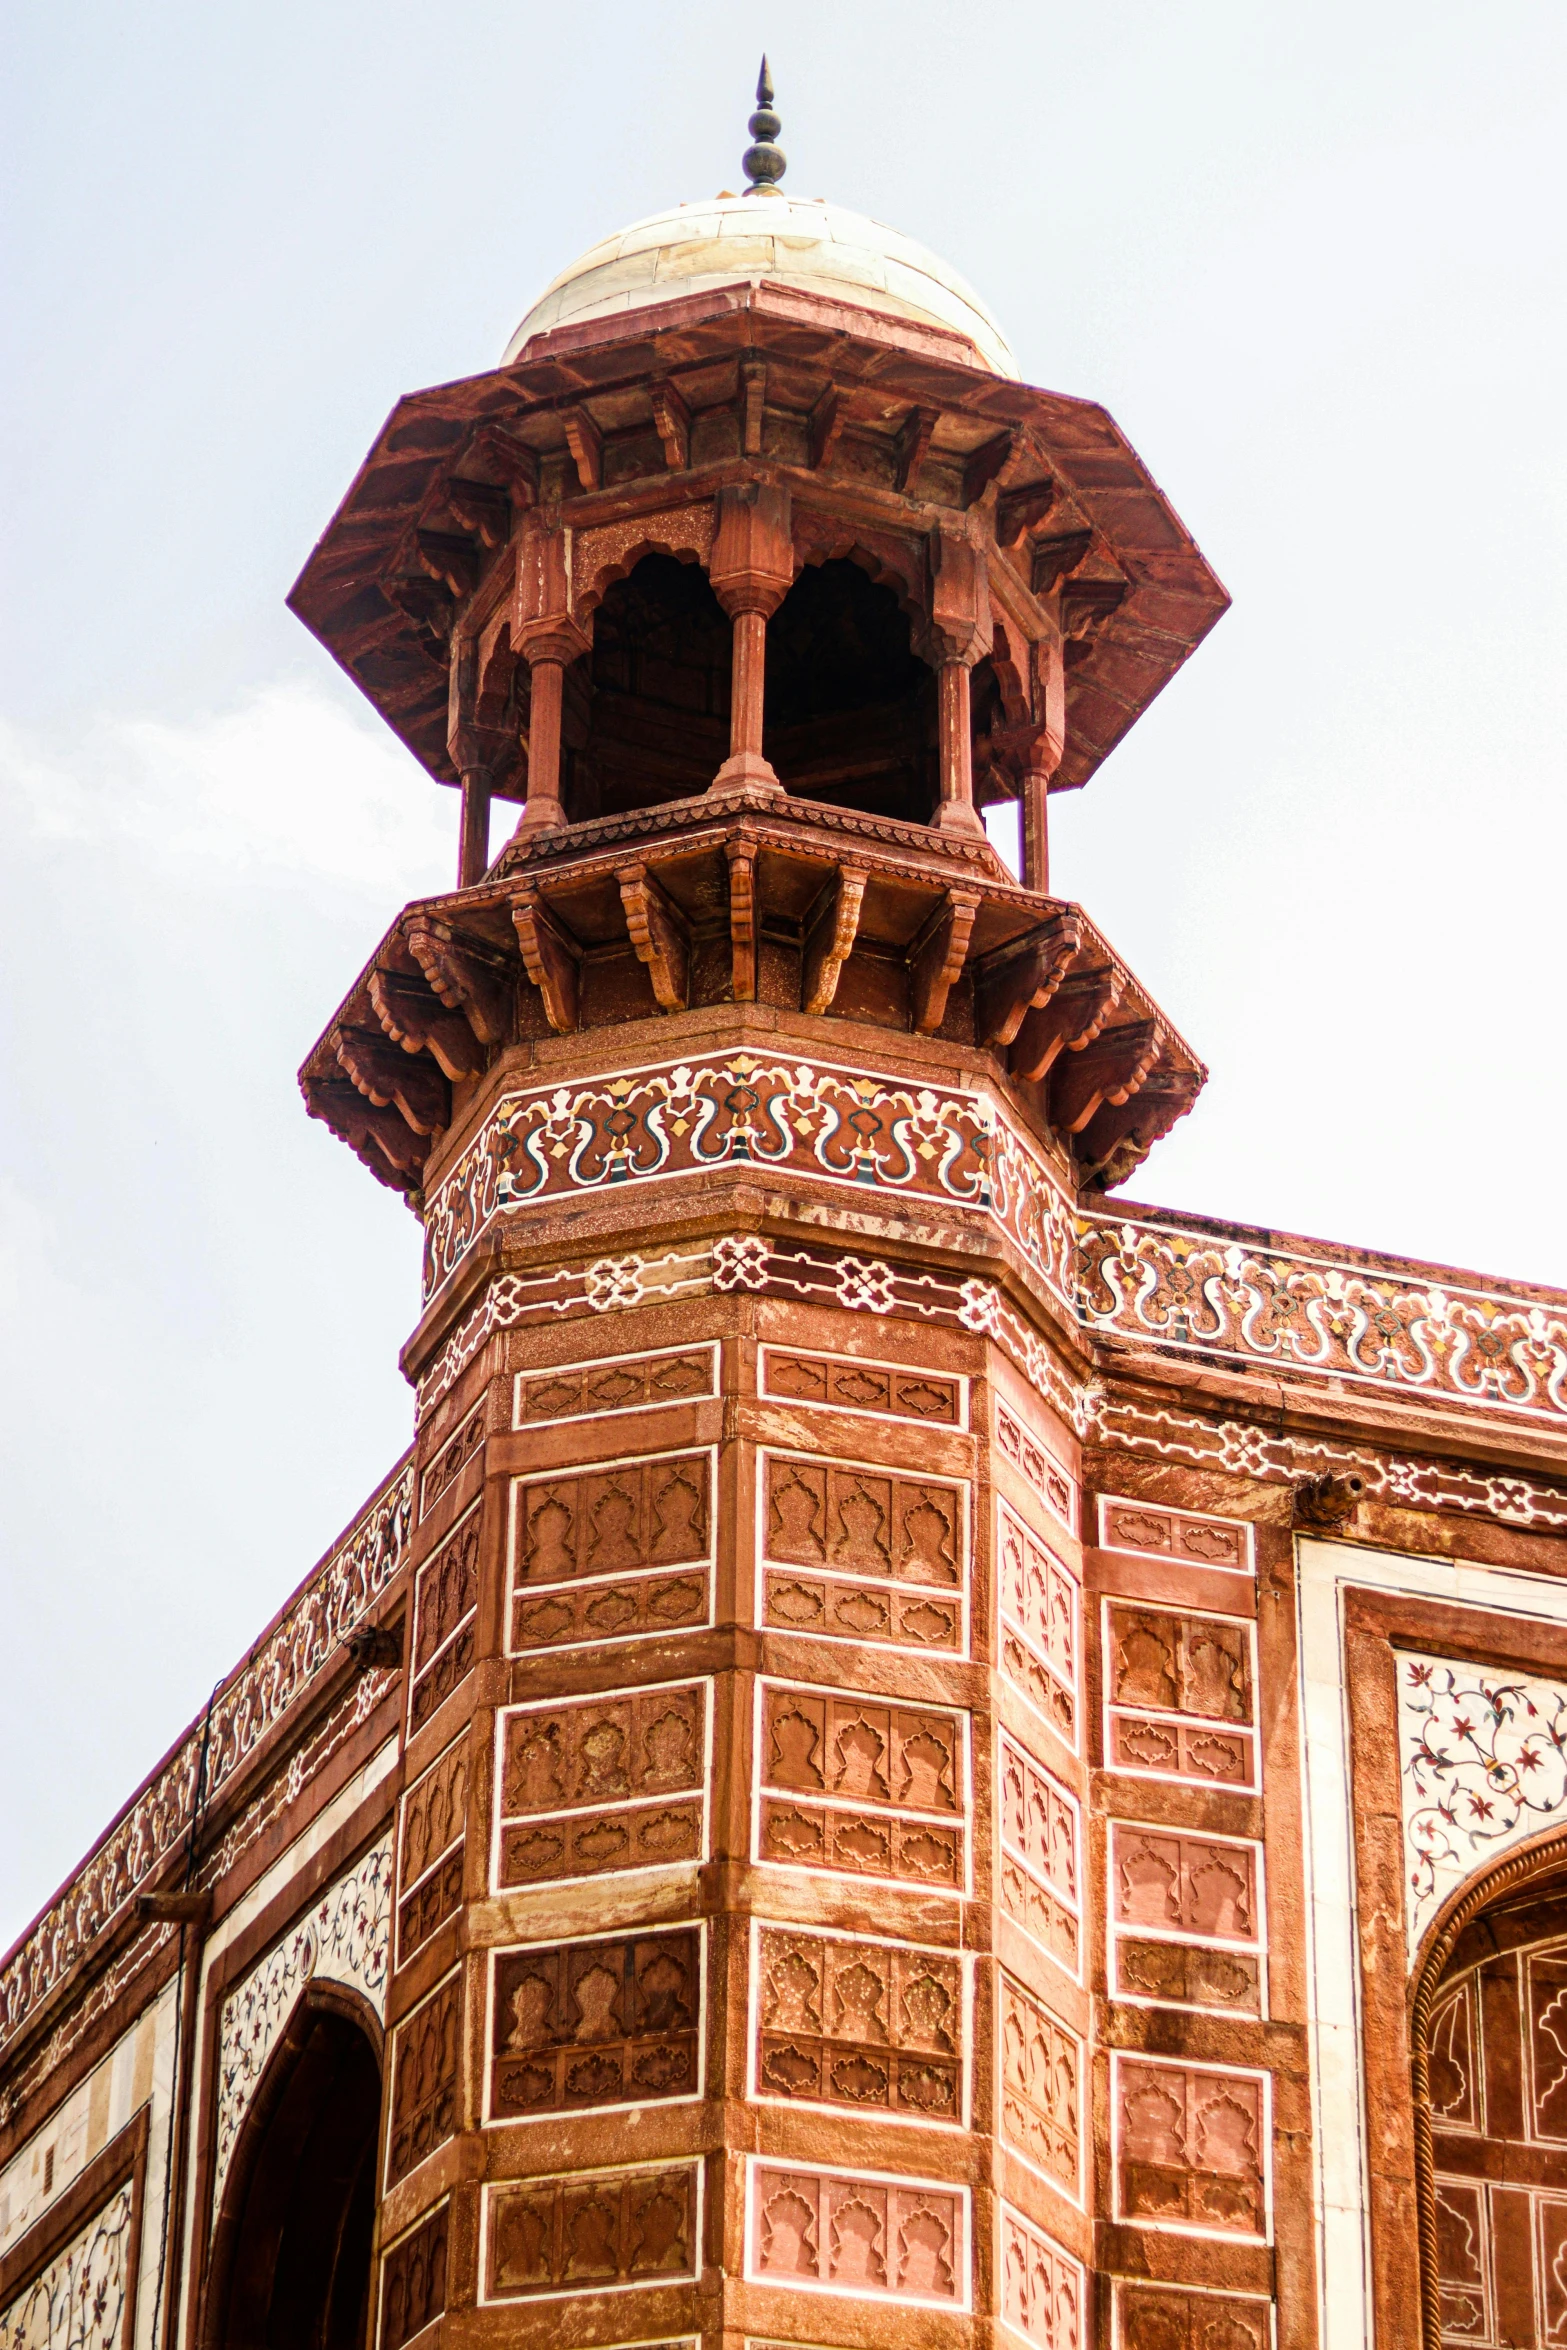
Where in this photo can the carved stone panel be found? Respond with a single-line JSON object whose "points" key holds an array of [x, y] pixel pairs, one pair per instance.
{"points": [[1179, 1696], [593, 2232], [450, 1462], [413, 2281], [1039, 1601], [1186, 1923], [861, 1786], [577, 2025], [1184, 1537], [625, 1383], [430, 1857], [849, 2232], [871, 2026], [595, 1785], [1040, 1468], [856, 1554], [424, 2080], [1158, 2317], [1040, 2073], [612, 1553], [446, 1599], [1042, 2286], [1191, 2147], [1039, 1874], [883, 1389]]}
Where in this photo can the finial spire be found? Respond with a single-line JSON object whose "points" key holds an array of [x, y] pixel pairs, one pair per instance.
{"points": [[764, 164]]}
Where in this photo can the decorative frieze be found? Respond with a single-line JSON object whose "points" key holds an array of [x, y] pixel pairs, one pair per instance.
{"points": [[846, 1383], [78, 2302], [1040, 1873], [618, 1383], [1186, 1919], [861, 1787], [595, 1786], [1040, 2073], [616, 1552], [592, 2232], [1039, 1604], [1191, 2147], [1042, 2286], [1483, 1759], [1179, 1696], [853, 1553], [424, 2080], [430, 1864], [1184, 1538], [578, 2026], [864, 2026], [858, 2232], [445, 1605]]}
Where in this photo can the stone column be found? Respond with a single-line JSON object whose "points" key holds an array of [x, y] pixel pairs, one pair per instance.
{"points": [[752, 570], [548, 635], [1035, 829], [956, 635]]}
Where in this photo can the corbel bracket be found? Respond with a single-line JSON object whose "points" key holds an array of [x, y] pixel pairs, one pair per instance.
{"points": [[391, 1079], [551, 958], [659, 935], [1019, 977], [743, 919], [830, 929], [467, 978], [936, 958], [672, 418], [415, 1018], [1111, 1069], [1072, 1018]]}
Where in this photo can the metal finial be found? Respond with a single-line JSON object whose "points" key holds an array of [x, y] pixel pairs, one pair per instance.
{"points": [[764, 164]]}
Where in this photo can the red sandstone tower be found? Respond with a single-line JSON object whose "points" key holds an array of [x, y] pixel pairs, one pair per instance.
{"points": [[911, 1755]]}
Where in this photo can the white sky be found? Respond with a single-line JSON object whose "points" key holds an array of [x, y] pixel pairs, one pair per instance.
{"points": [[1312, 260]]}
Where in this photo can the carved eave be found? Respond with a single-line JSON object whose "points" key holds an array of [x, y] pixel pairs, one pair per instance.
{"points": [[736, 900], [868, 420]]}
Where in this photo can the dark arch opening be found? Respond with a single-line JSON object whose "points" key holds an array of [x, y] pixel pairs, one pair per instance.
{"points": [[646, 714], [850, 711], [291, 2258]]}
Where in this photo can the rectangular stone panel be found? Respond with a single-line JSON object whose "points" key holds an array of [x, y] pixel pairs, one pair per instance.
{"points": [[857, 1553], [873, 2027], [1040, 1467], [615, 1552], [623, 1383], [424, 2080], [1186, 1919], [591, 1786], [1041, 2075], [1039, 1603], [579, 2025], [1180, 1695], [1186, 1538], [1158, 2317], [1191, 2147], [413, 2281], [861, 1786], [886, 1390], [450, 1462], [1040, 1868], [855, 2232], [430, 1854], [446, 1599], [1042, 2286], [593, 2232]]}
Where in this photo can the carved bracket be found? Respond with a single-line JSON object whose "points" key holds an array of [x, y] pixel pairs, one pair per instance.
{"points": [[393, 1079], [479, 507], [380, 1139], [830, 929], [468, 978], [449, 558], [415, 1018], [1072, 1018], [672, 418], [989, 459], [1109, 1070], [551, 958], [659, 935], [824, 426], [1120, 1135], [912, 446], [936, 958], [586, 444], [742, 920], [1019, 977]]}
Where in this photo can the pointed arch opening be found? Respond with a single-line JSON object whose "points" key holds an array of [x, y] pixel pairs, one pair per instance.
{"points": [[849, 707]]}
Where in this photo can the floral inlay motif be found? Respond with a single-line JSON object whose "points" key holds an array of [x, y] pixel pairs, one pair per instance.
{"points": [[78, 2301], [1484, 1759]]}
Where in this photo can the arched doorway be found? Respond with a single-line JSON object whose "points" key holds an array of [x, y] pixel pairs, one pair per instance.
{"points": [[1490, 2045], [291, 2250]]}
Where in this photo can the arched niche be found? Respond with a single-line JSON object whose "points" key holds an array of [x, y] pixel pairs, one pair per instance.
{"points": [[646, 715], [849, 714], [1488, 2038], [290, 2260]]}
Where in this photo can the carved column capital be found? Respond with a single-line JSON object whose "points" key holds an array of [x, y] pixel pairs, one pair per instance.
{"points": [[752, 565], [958, 623]]}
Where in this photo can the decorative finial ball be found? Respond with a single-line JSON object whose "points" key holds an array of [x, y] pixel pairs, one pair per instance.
{"points": [[764, 164]]}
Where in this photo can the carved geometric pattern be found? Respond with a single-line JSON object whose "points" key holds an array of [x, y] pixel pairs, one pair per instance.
{"points": [[1179, 1698], [1038, 1466], [1158, 2317], [1183, 1536], [78, 2301], [593, 1555], [593, 1785], [344, 1939], [620, 1383], [450, 1462], [1484, 1758], [1040, 2072], [429, 1878], [1186, 1924], [1191, 2147], [594, 2232], [1039, 1852], [583, 2024], [424, 2080], [1041, 2285], [250, 1704], [850, 1385], [874, 2026], [446, 1600], [413, 2282], [1039, 1599], [886, 1554], [861, 1786], [852, 2232]]}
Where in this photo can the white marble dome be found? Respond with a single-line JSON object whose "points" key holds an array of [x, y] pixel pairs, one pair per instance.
{"points": [[817, 247]]}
